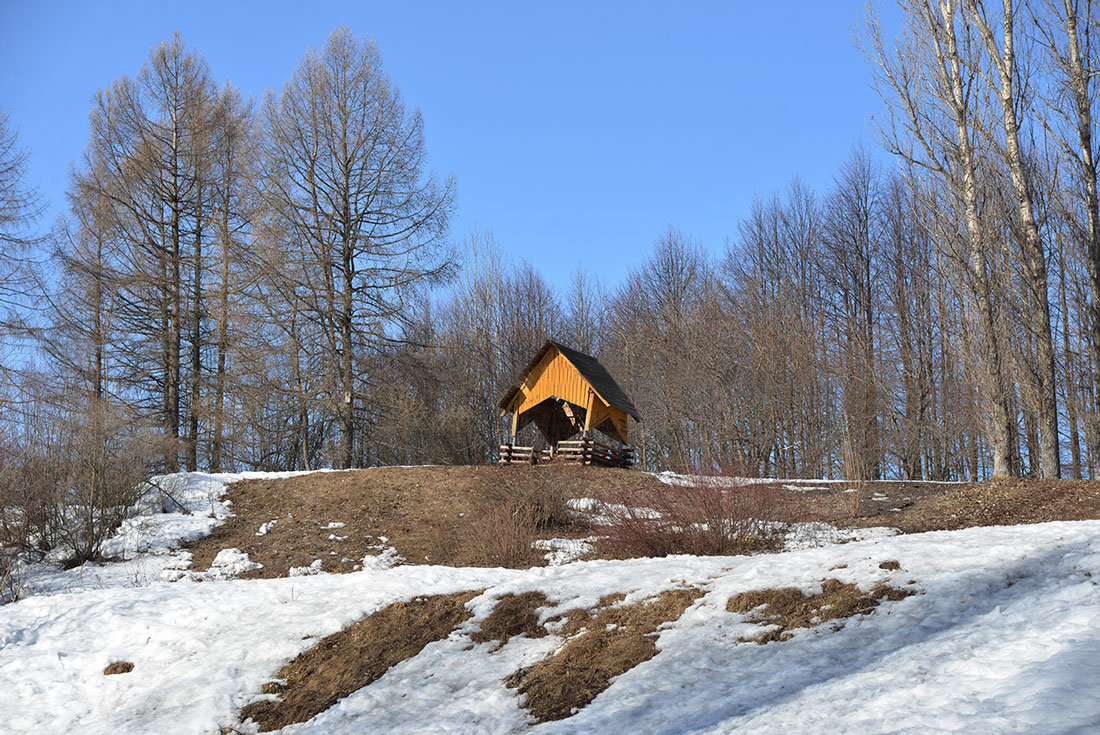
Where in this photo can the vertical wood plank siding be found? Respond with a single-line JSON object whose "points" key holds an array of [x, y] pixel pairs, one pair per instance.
{"points": [[556, 377]]}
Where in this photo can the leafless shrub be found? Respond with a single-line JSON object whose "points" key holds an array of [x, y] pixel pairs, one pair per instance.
{"points": [[503, 535], [516, 508], [712, 517], [541, 491], [855, 472], [73, 478], [11, 585]]}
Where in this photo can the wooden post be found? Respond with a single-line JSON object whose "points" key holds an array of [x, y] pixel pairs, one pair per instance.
{"points": [[588, 412], [515, 424]]}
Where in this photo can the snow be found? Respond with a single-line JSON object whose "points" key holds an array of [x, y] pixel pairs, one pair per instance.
{"points": [[599, 513], [795, 535], [565, 550], [173, 509], [1004, 636], [231, 562], [816, 533], [312, 569]]}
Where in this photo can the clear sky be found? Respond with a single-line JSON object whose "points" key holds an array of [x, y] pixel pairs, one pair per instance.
{"points": [[577, 131]]}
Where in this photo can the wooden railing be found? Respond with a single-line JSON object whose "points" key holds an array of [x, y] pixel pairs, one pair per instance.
{"points": [[571, 451], [511, 454]]}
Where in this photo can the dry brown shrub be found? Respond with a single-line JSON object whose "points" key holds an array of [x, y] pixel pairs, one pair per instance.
{"points": [[118, 667], [787, 608], [523, 504], [855, 472], [512, 615], [503, 536], [706, 519], [617, 639], [356, 656]]}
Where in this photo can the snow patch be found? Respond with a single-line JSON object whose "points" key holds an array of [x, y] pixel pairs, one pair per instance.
{"points": [[312, 569], [565, 550]]}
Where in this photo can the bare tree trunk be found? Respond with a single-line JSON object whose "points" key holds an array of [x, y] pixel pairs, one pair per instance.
{"points": [[347, 375], [1079, 75], [1070, 377], [1034, 259], [992, 362], [196, 341]]}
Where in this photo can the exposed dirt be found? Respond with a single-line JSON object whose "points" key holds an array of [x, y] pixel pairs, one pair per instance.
{"points": [[616, 639], [915, 507], [356, 656], [118, 667], [437, 515], [787, 608]]}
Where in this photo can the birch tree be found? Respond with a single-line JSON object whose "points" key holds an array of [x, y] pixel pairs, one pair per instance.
{"points": [[929, 84]]}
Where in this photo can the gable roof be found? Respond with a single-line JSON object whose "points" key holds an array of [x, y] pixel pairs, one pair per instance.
{"points": [[590, 369]]}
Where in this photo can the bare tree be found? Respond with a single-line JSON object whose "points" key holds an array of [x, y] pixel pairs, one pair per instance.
{"points": [[929, 85], [1009, 88], [344, 175]]}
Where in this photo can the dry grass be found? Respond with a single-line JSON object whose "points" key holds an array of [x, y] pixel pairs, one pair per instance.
{"points": [[787, 608], [615, 639], [998, 502], [437, 515], [488, 515], [118, 667], [512, 615], [356, 656]]}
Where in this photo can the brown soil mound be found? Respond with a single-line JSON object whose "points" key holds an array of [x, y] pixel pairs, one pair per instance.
{"points": [[787, 608], [118, 667], [356, 656], [617, 639], [435, 515]]}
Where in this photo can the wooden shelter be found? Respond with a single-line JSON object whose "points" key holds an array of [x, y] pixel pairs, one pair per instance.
{"points": [[565, 393]]}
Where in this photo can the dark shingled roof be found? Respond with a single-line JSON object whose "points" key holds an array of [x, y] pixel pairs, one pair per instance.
{"points": [[590, 369]]}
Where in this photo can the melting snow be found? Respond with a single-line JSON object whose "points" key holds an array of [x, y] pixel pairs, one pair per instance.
{"points": [[1003, 637]]}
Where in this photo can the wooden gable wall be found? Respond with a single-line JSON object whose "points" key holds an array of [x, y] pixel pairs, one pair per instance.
{"points": [[554, 376]]}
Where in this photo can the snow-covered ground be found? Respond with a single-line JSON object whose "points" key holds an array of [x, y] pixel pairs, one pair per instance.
{"points": [[1004, 636], [175, 508]]}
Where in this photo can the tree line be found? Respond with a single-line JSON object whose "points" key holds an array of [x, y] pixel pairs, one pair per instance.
{"points": [[274, 285]]}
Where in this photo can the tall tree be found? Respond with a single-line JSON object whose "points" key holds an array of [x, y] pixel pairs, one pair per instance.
{"points": [[20, 207], [1009, 90], [928, 82], [344, 174]]}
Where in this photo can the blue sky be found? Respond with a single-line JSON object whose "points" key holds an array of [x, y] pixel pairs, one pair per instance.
{"points": [[577, 131]]}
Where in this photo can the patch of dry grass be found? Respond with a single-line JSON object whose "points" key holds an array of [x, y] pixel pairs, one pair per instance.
{"points": [[787, 608], [356, 656], [457, 516], [997, 502], [511, 616], [118, 667], [607, 643]]}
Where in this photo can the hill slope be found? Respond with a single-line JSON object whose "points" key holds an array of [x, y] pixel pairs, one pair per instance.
{"points": [[1001, 634]]}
